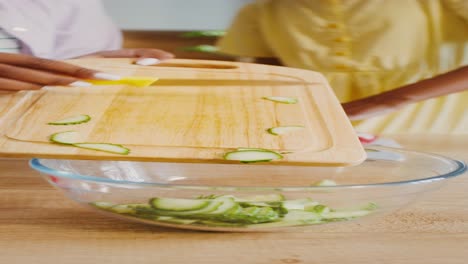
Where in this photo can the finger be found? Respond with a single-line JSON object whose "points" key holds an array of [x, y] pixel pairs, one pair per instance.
{"points": [[54, 66], [147, 61], [136, 53], [152, 56], [145, 56], [14, 85], [154, 53], [38, 77]]}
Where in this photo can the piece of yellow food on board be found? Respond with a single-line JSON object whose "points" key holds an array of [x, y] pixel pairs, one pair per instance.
{"points": [[129, 80]]}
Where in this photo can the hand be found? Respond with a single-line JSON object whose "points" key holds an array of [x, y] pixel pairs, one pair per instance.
{"points": [[23, 72], [144, 57]]}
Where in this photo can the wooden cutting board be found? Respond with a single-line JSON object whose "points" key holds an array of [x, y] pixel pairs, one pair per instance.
{"points": [[196, 112]]}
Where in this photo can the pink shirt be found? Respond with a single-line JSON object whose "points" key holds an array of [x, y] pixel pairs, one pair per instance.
{"points": [[59, 29]]}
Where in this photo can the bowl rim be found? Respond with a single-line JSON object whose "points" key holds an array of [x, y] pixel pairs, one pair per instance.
{"points": [[459, 168]]}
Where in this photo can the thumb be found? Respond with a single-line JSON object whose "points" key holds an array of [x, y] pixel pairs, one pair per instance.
{"points": [[148, 57], [147, 61]]}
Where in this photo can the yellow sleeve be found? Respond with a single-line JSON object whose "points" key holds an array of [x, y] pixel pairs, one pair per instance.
{"points": [[244, 37], [460, 7]]}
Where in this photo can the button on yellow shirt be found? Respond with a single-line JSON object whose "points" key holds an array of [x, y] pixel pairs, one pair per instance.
{"points": [[365, 47]]}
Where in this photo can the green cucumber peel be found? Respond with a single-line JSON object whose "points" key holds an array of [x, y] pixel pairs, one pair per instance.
{"points": [[72, 138], [320, 209], [173, 220], [281, 130], [105, 147], [281, 99], [73, 120], [204, 33], [65, 138], [177, 204], [252, 155], [325, 183], [202, 48], [102, 205]]}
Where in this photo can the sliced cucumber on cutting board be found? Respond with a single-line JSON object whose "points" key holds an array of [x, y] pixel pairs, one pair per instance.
{"points": [[252, 155], [281, 99], [106, 147], [73, 138], [73, 120], [66, 138], [281, 130]]}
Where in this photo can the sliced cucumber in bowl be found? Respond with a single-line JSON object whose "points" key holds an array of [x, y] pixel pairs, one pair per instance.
{"points": [[178, 204], [254, 212]]}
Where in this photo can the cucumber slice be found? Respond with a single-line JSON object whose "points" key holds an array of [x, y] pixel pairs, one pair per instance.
{"points": [[102, 205], [174, 204], [228, 205], [250, 156], [73, 138], [260, 149], [66, 138], [106, 147], [214, 223], [204, 33], [129, 208], [344, 214], [212, 206], [293, 218], [210, 196], [370, 207], [281, 130], [122, 209], [299, 204], [325, 183], [202, 48], [320, 209], [298, 215], [281, 99], [251, 215], [247, 149], [172, 220], [138, 206], [74, 120]]}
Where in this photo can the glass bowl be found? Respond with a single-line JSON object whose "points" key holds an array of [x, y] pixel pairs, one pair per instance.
{"points": [[250, 197]]}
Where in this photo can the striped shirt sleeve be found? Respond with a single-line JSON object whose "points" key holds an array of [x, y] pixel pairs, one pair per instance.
{"points": [[8, 43]]}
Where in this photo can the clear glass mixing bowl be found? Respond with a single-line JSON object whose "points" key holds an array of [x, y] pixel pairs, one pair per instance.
{"points": [[253, 197]]}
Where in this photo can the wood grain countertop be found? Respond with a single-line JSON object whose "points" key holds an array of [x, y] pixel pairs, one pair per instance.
{"points": [[39, 226]]}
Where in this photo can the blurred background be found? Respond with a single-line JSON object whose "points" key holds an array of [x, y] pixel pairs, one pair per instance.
{"points": [[163, 23]]}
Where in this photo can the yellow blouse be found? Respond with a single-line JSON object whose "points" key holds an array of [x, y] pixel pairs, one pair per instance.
{"points": [[365, 47]]}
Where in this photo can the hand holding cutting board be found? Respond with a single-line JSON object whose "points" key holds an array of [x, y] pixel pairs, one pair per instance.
{"points": [[444, 84], [25, 72]]}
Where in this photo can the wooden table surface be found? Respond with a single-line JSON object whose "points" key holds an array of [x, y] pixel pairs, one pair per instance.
{"points": [[39, 226]]}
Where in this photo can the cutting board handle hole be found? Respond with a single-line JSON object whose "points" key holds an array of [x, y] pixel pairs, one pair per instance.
{"points": [[197, 65]]}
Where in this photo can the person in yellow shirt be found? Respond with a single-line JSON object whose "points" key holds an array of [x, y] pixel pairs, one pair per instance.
{"points": [[377, 55]]}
